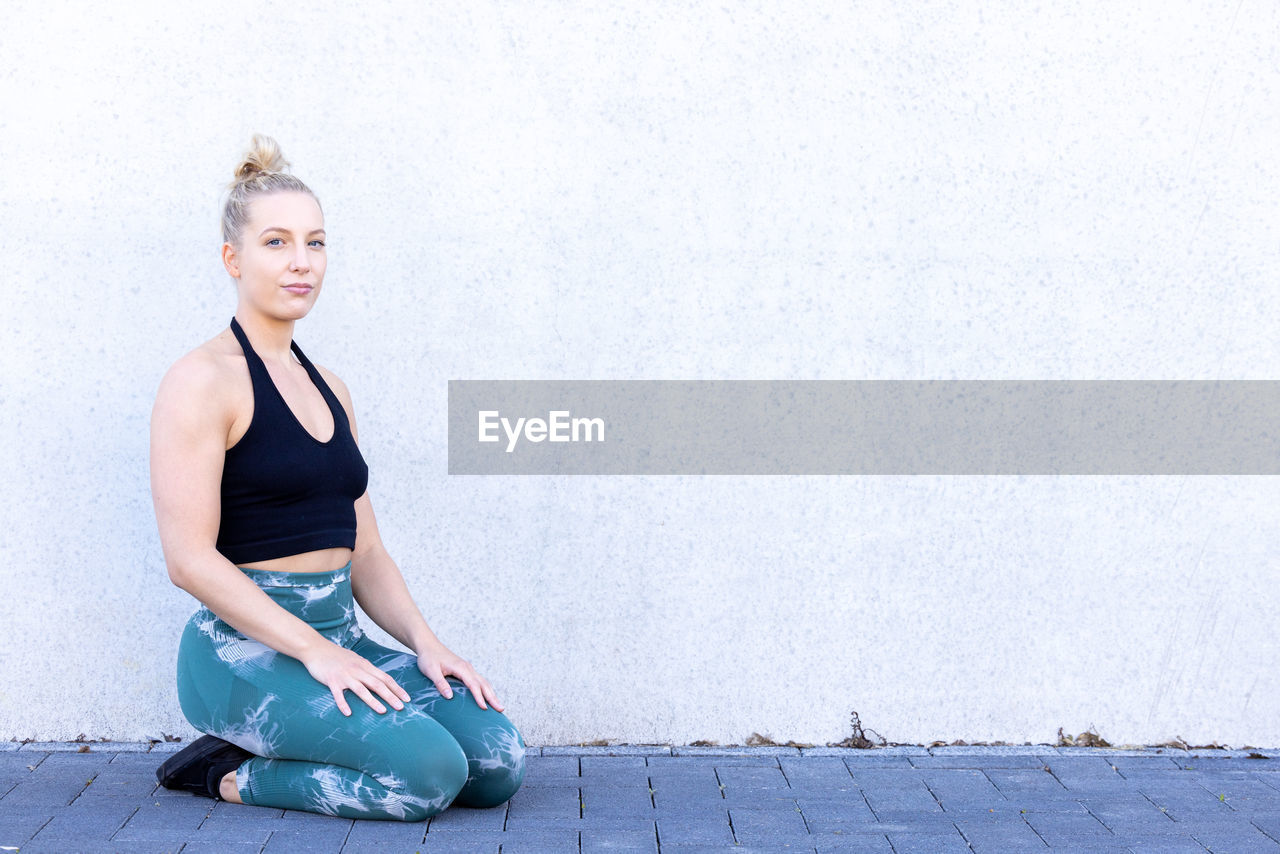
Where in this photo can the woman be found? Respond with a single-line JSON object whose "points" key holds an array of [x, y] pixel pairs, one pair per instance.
{"points": [[260, 498]]}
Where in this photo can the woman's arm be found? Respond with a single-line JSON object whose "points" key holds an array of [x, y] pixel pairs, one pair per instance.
{"points": [[192, 417], [378, 586]]}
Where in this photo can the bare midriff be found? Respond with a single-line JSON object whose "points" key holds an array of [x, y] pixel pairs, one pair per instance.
{"points": [[321, 560]]}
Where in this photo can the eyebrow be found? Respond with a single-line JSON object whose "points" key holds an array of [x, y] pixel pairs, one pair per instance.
{"points": [[286, 231]]}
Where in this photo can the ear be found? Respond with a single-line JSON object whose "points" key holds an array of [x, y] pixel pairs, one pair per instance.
{"points": [[230, 260]]}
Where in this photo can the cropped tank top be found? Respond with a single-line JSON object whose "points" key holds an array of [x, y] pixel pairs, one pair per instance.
{"points": [[284, 492]]}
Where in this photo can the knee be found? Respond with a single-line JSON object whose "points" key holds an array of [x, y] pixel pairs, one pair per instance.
{"points": [[496, 767], [441, 774]]}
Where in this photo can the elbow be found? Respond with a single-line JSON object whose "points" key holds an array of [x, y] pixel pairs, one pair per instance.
{"points": [[180, 570], [177, 575]]}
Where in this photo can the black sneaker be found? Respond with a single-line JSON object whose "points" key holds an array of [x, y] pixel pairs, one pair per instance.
{"points": [[189, 769]]}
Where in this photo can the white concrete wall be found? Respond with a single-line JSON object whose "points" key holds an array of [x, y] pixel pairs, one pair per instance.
{"points": [[958, 190]]}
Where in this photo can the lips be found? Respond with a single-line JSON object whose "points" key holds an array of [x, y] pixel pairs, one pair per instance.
{"points": [[300, 288]]}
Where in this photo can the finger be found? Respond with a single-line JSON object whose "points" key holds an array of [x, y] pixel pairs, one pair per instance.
{"points": [[387, 687], [436, 675], [472, 681], [363, 693], [491, 695], [341, 701]]}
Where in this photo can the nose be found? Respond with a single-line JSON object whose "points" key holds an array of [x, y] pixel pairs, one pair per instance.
{"points": [[300, 263]]}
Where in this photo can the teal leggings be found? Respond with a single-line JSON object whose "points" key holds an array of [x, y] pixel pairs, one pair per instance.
{"points": [[406, 765]]}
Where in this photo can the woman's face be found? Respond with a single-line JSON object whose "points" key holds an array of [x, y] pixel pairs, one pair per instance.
{"points": [[280, 264]]}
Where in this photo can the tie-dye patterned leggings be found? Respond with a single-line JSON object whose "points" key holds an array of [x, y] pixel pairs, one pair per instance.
{"points": [[406, 765]]}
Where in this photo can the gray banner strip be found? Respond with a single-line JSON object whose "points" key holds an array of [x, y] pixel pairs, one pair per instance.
{"points": [[807, 427]]}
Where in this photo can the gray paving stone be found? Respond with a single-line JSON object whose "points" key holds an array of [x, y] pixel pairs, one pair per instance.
{"points": [[1022, 785], [597, 767], [41, 793], [993, 750], [1160, 846], [679, 800], [835, 843], [1115, 751], [716, 760], [19, 825], [880, 779], [160, 823], [977, 760], [19, 761], [1234, 838], [856, 762], [546, 801], [386, 833], [694, 830], [761, 799], [60, 846], [752, 777], [610, 750], [745, 752], [379, 848], [962, 788], [92, 823], [231, 834], [1004, 837], [220, 847], [1267, 822], [593, 841], [1242, 794], [916, 843], [850, 810], [1131, 765], [540, 842], [551, 771], [815, 772], [544, 810], [736, 849], [917, 798], [463, 819], [51, 747], [601, 800], [131, 787], [891, 822], [1058, 829], [698, 774], [768, 827], [310, 841]]}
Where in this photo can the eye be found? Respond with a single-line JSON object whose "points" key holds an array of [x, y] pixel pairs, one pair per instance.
{"points": [[273, 241], [318, 242]]}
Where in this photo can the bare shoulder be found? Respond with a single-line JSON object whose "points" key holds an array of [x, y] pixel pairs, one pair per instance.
{"points": [[208, 382]]}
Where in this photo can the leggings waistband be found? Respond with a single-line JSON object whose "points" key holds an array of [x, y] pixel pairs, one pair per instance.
{"points": [[270, 578]]}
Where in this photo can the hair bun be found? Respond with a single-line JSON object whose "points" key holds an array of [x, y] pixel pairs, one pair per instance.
{"points": [[260, 172], [262, 157]]}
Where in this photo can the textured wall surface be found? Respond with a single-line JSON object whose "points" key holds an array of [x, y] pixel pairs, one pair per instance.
{"points": [[544, 190]]}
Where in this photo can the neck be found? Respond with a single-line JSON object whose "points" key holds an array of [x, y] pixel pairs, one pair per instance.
{"points": [[270, 337]]}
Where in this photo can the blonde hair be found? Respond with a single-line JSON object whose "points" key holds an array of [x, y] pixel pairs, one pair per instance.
{"points": [[259, 173]]}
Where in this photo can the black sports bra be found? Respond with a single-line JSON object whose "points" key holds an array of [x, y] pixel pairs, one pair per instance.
{"points": [[284, 492]]}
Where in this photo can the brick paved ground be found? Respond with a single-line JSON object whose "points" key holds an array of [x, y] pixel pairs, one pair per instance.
{"points": [[688, 799]]}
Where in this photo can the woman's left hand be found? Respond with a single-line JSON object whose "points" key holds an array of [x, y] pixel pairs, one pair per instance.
{"points": [[438, 662]]}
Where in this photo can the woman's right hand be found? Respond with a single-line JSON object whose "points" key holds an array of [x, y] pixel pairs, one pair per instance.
{"points": [[339, 669]]}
